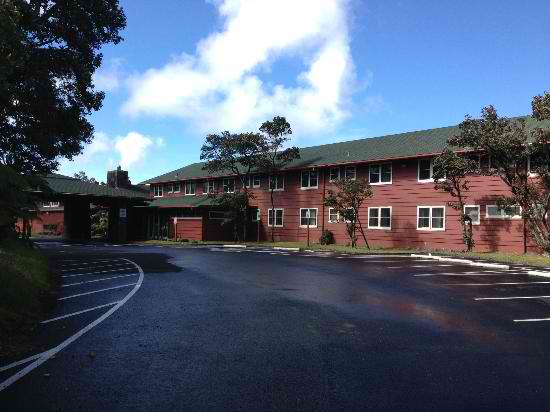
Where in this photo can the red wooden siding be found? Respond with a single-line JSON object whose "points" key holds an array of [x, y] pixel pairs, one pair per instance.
{"points": [[190, 228]]}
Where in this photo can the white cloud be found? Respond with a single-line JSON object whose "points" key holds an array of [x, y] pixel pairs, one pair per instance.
{"points": [[108, 78], [134, 147], [220, 86]]}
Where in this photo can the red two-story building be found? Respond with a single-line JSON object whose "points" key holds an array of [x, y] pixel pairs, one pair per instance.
{"points": [[405, 211]]}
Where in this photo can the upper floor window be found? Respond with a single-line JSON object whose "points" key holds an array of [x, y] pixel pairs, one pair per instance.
{"points": [[380, 174], [252, 181], [495, 212], [425, 170], [277, 182], [208, 187], [431, 218], [310, 180], [50, 204], [157, 190], [256, 180], [351, 172], [229, 185], [308, 217], [177, 187], [334, 174], [190, 188], [379, 217], [170, 188]]}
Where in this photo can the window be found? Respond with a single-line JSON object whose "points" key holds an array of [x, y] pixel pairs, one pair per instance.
{"points": [[177, 187], [256, 216], [277, 183], [276, 221], [494, 212], [308, 216], [157, 190], [190, 188], [431, 218], [50, 204], [216, 215], [425, 170], [333, 215], [208, 187], [334, 174], [170, 188], [351, 172], [309, 180], [472, 211], [256, 180], [380, 174], [380, 217], [229, 185]]}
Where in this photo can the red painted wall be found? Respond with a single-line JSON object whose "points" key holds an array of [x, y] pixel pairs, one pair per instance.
{"points": [[190, 228], [404, 195], [44, 219]]}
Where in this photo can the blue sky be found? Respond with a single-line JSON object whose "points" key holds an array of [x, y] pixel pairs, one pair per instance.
{"points": [[337, 69]]}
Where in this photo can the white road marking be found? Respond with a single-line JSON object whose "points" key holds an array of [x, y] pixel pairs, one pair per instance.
{"points": [[515, 297], [74, 275], [49, 353], [21, 362], [99, 280], [466, 274], [97, 291], [79, 312], [95, 267], [91, 262], [532, 320], [395, 267], [495, 284]]}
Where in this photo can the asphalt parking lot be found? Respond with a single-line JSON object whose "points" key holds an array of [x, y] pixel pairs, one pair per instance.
{"points": [[161, 328]]}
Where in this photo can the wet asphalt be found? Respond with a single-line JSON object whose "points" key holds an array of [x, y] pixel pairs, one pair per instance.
{"points": [[229, 329]]}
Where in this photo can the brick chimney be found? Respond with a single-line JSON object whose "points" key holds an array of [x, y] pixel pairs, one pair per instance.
{"points": [[118, 178]]}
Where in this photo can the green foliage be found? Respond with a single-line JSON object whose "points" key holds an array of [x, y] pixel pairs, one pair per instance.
{"points": [[236, 206], [347, 201], [99, 216], [450, 175], [273, 157], [49, 51], [327, 238], [511, 147]]}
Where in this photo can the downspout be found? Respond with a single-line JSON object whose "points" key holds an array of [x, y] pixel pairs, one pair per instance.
{"points": [[323, 206]]}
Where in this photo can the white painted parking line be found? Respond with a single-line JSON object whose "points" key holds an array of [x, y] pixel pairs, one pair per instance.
{"points": [[91, 262], [98, 280], [515, 297], [74, 275], [95, 267], [21, 362], [96, 291], [466, 274], [496, 284], [532, 320], [396, 267], [52, 352], [79, 312]]}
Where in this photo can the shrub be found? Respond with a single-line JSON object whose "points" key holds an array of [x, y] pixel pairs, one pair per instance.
{"points": [[327, 238]]}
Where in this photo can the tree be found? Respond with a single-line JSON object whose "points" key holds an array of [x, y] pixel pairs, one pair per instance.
{"points": [[49, 51], [237, 154], [274, 158], [347, 201], [450, 175], [516, 152]]}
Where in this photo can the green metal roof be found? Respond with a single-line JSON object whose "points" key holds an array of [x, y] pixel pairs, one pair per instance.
{"points": [[66, 185], [402, 145], [182, 201]]}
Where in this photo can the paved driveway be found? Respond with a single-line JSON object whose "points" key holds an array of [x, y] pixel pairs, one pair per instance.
{"points": [[158, 328]]}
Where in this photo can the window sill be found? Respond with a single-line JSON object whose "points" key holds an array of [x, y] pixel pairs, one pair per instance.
{"points": [[309, 188], [380, 183], [425, 181], [310, 226], [379, 228], [430, 230]]}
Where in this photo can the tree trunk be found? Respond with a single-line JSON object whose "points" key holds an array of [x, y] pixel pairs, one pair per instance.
{"points": [[363, 233]]}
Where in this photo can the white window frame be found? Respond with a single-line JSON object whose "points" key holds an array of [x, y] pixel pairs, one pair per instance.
{"points": [[170, 188], [379, 165], [501, 216], [177, 187], [158, 191], [431, 229], [277, 181], [431, 179], [224, 185], [478, 213], [316, 217], [275, 217], [190, 185], [337, 216], [257, 216], [50, 204], [309, 180], [379, 227], [212, 213], [208, 183], [254, 177], [330, 179], [354, 168]]}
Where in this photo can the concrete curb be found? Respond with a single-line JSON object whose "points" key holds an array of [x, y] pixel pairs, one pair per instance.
{"points": [[539, 273], [289, 249], [463, 261]]}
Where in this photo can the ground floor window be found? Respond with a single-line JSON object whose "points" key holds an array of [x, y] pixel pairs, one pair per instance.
{"points": [[431, 218], [333, 215], [380, 217], [308, 216], [472, 211], [495, 212], [256, 215], [275, 219]]}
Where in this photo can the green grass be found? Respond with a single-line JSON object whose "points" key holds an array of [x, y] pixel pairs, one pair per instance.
{"points": [[25, 292], [501, 257]]}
